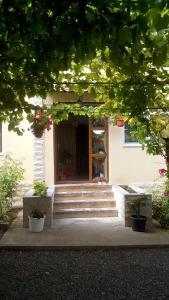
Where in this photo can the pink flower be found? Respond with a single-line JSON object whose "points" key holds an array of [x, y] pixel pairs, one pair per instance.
{"points": [[162, 172]]}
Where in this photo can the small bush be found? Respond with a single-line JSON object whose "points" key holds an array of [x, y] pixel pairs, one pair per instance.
{"points": [[164, 216], [157, 198], [160, 206], [40, 188], [4, 209], [11, 173], [137, 203]]}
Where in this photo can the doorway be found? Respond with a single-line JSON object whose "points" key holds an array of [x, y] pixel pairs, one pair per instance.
{"points": [[81, 150], [72, 150]]}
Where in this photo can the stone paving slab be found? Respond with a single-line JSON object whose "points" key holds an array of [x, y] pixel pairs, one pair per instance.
{"points": [[83, 232]]}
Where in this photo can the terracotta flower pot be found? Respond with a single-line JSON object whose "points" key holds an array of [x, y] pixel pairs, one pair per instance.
{"points": [[120, 123]]}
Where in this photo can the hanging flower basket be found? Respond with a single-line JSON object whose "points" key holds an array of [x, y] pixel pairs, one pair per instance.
{"points": [[38, 133], [120, 123], [40, 122]]}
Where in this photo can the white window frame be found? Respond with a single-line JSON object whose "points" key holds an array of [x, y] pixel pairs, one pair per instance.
{"points": [[131, 144]]}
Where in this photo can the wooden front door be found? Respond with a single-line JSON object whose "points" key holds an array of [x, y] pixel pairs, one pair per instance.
{"points": [[66, 152], [72, 150]]}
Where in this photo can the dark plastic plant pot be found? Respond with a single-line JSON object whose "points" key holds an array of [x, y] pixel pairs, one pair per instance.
{"points": [[138, 223]]}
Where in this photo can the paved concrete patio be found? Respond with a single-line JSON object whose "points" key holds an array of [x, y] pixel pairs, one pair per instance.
{"points": [[83, 232]]}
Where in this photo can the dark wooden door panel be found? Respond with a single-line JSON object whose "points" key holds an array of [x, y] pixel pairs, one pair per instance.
{"points": [[66, 152]]}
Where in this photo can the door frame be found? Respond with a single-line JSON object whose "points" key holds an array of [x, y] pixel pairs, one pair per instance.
{"points": [[55, 149], [91, 155]]}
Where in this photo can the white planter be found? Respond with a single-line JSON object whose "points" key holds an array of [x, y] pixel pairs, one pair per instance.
{"points": [[35, 224], [44, 204], [124, 199]]}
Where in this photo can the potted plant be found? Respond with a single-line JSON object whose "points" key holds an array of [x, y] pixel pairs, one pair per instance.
{"points": [[40, 188], [120, 123], [138, 220], [41, 198], [40, 121], [36, 220], [37, 217]]}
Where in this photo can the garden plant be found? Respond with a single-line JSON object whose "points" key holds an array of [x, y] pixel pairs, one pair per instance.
{"points": [[40, 188], [160, 205], [11, 173]]}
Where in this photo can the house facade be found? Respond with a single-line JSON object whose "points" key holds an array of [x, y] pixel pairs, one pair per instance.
{"points": [[81, 150]]}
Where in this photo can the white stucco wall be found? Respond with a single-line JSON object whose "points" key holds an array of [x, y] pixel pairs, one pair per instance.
{"points": [[20, 147], [49, 157], [130, 164], [35, 153]]}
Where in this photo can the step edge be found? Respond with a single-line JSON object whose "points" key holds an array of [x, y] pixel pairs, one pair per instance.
{"points": [[83, 201], [82, 184], [67, 210], [81, 193]]}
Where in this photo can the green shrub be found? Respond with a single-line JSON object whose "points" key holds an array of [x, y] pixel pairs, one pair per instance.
{"points": [[160, 205], [4, 209], [157, 198], [40, 188], [164, 216], [137, 203], [11, 173]]}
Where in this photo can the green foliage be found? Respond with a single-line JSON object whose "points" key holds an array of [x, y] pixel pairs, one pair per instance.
{"points": [[40, 188], [11, 173], [137, 203], [36, 213], [139, 97], [41, 38], [153, 131], [157, 199], [162, 211], [164, 215], [160, 205], [61, 111], [5, 206]]}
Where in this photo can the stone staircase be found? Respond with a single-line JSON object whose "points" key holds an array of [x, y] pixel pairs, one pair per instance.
{"points": [[84, 201]]}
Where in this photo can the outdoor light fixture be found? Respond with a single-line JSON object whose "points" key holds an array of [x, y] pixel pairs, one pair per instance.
{"points": [[99, 132]]}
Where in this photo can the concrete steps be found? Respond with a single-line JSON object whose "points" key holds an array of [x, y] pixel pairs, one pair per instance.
{"points": [[83, 187], [80, 195], [84, 201], [85, 213]]}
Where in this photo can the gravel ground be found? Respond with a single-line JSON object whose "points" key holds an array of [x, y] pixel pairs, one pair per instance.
{"points": [[85, 274]]}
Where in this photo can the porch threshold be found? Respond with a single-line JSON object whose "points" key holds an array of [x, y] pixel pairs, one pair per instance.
{"points": [[82, 233], [82, 184]]}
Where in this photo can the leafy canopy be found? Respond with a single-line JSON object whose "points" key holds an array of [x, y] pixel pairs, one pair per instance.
{"points": [[41, 38]]}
